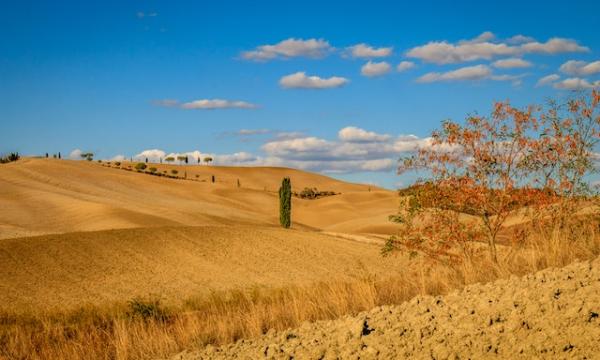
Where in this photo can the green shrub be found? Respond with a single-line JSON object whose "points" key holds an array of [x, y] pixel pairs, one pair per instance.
{"points": [[118, 163], [152, 170], [174, 172], [147, 309], [10, 158], [140, 166]]}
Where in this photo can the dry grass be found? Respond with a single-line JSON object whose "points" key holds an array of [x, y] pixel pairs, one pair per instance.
{"points": [[146, 329]]}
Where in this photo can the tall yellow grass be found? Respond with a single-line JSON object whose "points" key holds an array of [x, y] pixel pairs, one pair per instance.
{"points": [[113, 332]]}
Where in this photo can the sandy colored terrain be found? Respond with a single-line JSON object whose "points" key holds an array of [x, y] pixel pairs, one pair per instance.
{"points": [[175, 262], [46, 196], [74, 232], [554, 314]]}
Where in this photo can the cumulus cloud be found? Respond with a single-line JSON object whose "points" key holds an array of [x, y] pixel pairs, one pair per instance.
{"points": [[470, 73], [553, 46], [354, 134], [355, 149], [547, 80], [520, 39], [484, 47], [366, 51], [75, 154], [405, 65], [211, 104], [481, 38], [511, 63], [575, 84], [300, 80], [246, 132], [152, 155], [580, 68], [311, 48], [477, 72], [206, 104], [372, 69]]}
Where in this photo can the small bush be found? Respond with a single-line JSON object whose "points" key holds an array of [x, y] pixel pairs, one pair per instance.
{"points": [[147, 309], [118, 163], [10, 158], [313, 193], [174, 172], [152, 170], [140, 166]]}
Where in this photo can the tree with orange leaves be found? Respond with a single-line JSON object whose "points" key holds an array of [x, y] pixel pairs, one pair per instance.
{"points": [[480, 173]]}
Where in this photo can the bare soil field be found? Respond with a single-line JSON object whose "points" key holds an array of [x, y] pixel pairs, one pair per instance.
{"points": [[553, 314]]}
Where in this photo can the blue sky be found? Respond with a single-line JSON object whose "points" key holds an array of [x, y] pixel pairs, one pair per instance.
{"points": [[278, 83]]}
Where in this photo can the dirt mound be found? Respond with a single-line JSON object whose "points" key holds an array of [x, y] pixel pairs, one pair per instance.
{"points": [[552, 314]]}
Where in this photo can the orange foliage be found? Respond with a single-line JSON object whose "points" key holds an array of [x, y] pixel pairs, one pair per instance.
{"points": [[534, 159]]}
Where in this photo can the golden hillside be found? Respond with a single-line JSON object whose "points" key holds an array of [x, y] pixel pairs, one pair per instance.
{"points": [[74, 232], [45, 196]]}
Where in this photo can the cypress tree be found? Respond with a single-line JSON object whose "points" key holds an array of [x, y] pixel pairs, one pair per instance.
{"points": [[59, 155], [285, 203]]}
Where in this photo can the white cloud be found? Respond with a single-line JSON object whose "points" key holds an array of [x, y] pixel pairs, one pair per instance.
{"points": [[477, 72], [311, 48], [299, 80], [511, 63], [442, 52], [206, 104], [297, 147], [153, 155], [520, 39], [580, 68], [372, 69], [575, 83], [553, 46], [355, 150], [484, 47], [366, 51], [405, 65], [253, 131], [211, 104], [289, 135], [481, 38], [75, 154], [354, 134], [546, 80]]}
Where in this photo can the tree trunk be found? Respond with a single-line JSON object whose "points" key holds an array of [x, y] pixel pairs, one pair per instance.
{"points": [[492, 247]]}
